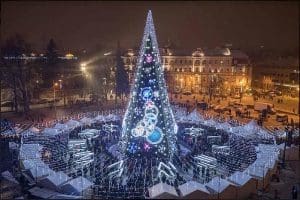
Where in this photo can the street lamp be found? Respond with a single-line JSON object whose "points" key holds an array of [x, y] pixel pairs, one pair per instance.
{"points": [[54, 102]]}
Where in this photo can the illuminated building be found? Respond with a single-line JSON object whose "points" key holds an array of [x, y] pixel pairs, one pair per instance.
{"points": [[225, 71]]}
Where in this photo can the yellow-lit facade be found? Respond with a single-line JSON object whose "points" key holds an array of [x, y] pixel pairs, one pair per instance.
{"points": [[201, 70]]}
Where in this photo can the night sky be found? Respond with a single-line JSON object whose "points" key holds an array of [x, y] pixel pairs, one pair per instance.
{"points": [[87, 25]]}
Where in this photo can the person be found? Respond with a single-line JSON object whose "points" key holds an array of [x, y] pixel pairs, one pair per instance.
{"points": [[294, 192]]}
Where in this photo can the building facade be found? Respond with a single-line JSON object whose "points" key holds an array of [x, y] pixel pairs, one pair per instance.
{"points": [[216, 71], [284, 78]]}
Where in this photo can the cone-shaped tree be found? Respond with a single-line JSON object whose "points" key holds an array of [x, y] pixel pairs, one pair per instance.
{"points": [[149, 128]]}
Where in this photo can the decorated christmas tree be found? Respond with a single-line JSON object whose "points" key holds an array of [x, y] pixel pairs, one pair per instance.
{"points": [[149, 128]]}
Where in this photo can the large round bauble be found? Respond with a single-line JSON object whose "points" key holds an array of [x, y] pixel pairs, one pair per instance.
{"points": [[155, 137]]}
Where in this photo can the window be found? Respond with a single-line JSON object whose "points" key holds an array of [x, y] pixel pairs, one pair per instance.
{"points": [[197, 62], [166, 61], [204, 62], [190, 62]]}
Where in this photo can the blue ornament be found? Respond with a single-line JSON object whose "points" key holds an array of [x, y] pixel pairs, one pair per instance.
{"points": [[146, 93], [132, 147], [155, 137]]}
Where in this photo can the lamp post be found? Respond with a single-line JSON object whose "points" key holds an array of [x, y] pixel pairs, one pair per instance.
{"points": [[54, 101], [84, 73]]}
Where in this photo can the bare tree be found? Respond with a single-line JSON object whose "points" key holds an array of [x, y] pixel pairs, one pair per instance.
{"points": [[18, 71], [215, 84]]}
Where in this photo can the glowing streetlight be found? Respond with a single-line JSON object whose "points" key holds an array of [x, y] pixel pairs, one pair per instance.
{"points": [[83, 67], [54, 102]]}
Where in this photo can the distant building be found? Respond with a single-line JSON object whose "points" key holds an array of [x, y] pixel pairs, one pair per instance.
{"points": [[226, 71], [284, 78]]}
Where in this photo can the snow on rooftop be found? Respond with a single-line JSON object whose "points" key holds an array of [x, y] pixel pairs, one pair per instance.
{"points": [[41, 171], [51, 131], [218, 185], [210, 122], [30, 151], [57, 178], [76, 185], [60, 126], [72, 124], [194, 116], [112, 117], [32, 163], [100, 118], [192, 186], [161, 188], [239, 178], [86, 120], [257, 171]]}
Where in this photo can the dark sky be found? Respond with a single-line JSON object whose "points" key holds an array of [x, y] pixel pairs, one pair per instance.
{"points": [[87, 25]]}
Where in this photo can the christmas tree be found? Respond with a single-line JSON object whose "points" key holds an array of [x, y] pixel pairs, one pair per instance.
{"points": [[149, 128]]}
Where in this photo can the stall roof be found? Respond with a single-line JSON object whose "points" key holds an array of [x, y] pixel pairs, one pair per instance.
{"points": [[41, 171], [192, 186], [218, 184], [32, 163], [76, 185], [30, 151], [56, 178], [160, 189], [239, 178], [51, 131]]}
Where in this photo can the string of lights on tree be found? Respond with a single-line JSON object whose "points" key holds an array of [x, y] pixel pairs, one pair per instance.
{"points": [[149, 125]]}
